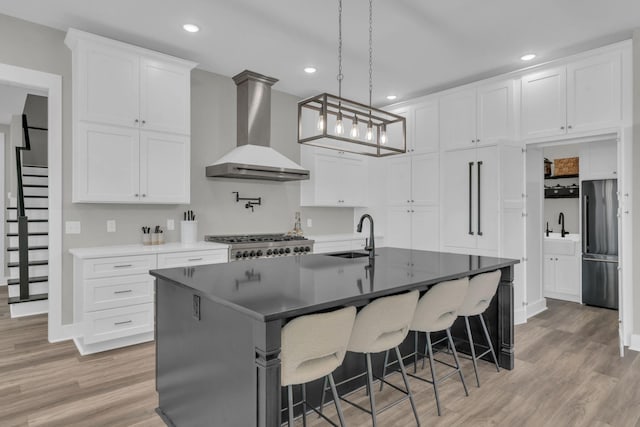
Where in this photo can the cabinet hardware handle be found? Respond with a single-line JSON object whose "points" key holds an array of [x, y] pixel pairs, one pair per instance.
{"points": [[408, 201], [195, 259], [477, 140], [144, 122], [123, 292], [479, 178], [615, 173], [144, 195], [123, 323], [473, 140], [136, 121], [123, 266], [470, 198], [561, 127], [569, 127], [136, 195], [408, 211], [412, 211], [411, 200]]}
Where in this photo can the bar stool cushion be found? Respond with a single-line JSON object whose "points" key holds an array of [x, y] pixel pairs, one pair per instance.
{"points": [[482, 288], [383, 323], [315, 345], [438, 308]]}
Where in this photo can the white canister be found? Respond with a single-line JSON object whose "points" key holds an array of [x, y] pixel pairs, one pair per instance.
{"points": [[188, 231]]}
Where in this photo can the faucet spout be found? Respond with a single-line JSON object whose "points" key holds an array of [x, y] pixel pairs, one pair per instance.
{"points": [[370, 245], [563, 232]]}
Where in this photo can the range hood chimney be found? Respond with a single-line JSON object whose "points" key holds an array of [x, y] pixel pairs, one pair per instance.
{"points": [[254, 158]]}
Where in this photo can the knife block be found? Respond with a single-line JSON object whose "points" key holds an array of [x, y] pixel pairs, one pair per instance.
{"points": [[188, 231]]}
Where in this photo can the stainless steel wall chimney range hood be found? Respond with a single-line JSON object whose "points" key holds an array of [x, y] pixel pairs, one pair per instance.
{"points": [[254, 158]]}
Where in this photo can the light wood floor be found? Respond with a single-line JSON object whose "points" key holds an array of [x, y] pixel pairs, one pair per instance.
{"points": [[567, 374]]}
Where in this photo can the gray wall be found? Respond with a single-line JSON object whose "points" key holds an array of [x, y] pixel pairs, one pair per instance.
{"points": [[570, 207], [213, 134], [636, 178], [35, 108]]}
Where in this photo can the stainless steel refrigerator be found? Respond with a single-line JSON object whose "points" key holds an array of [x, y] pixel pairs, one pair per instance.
{"points": [[600, 243]]}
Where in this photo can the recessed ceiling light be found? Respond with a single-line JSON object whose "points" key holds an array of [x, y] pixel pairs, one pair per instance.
{"points": [[191, 28], [310, 70], [391, 97], [528, 57]]}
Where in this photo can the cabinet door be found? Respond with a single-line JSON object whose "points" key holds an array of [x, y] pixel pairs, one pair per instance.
{"points": [[394, 133], [108, 86], [568, 275], [426, 128], [425, 228], [164, 168], [495, 113], [488, 197], [458, 120], [353, 181], [327, 177], [398, 172], [549, 273], [543, 110], [398, 231], [459, 199], [594, 93], [106, 164], [425, 179], [601, 161], [164, 97]]}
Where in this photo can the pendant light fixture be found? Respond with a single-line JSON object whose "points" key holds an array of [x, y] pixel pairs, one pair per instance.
{"points": [[323, 119]]}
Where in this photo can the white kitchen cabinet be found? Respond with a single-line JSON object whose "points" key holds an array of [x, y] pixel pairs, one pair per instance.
{"points": [[337, 178], [129, 103], [398, 179], [425, 179], [582, 96], [422, 126], [562, 277], [425, 228], [398, 227], [599, 160], [478, 116]]}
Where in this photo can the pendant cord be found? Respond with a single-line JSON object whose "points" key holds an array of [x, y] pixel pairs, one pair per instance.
{"points": [[340, 76], [370, 54]]}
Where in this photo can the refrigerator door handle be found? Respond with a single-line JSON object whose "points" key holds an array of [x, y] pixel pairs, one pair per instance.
{"points": [[615, 261], [471, 198], [479, 198], [585, 224]]}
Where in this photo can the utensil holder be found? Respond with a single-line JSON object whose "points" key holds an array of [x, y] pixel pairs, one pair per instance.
{"points": [[160, 238], [146, 239], [188, 231], [154, 238]]}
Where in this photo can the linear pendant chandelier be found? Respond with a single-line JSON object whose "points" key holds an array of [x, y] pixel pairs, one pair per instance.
{"points": [[337, 123]]}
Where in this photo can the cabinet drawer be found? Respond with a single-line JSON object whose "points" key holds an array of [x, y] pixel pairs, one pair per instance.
{"points": [[115, 323], [119, 266], [121, 291], [182, 259]]}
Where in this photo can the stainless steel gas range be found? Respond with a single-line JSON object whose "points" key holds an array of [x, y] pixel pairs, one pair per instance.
{"points": [[263, 245]]}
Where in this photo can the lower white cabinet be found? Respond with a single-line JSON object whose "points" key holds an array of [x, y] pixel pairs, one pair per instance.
{"points": [[114, 294], [562, 269]]}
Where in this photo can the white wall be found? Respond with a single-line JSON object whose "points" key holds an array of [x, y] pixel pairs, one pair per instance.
{"points": [[570, 207], [636, 181]]}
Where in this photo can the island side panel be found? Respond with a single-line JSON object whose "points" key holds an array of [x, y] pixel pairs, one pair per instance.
{"points": [[505, 340], [205, 368], [266, 341]]}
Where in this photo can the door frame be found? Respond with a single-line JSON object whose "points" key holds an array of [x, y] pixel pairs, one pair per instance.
{"points": [[52, 85], [3, 198]]}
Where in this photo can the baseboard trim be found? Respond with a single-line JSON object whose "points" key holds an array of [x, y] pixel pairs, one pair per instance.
{"points": [[562, 296], [519, 316], [634, 342], [30, 308], [85, 349], [63, 333], [536, 307]]}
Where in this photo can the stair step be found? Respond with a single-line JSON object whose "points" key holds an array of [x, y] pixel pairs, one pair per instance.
{"points": [[34, 207], [32, 248], [17, 264], [37, 297], [30, 234], [34, 197], [32, 175], [35, 186], [34, 279], [30, 220]]}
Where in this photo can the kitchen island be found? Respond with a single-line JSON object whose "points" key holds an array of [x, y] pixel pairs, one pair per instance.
{"points": [[218, 326]]}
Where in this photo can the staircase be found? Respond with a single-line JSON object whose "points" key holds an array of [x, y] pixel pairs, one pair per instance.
{"points": [[28, 238]]}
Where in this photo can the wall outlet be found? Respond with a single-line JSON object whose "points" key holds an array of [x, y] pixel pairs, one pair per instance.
{"points": [[111, 226], [309, 223], [171, 225], [72, 227]]}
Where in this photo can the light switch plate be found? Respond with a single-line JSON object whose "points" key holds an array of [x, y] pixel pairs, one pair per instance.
{"points": [[72, 227], [309, 222], [171, 225], [111, 226]]}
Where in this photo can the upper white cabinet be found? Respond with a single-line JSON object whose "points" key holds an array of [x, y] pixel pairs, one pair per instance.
{"points": [[337, 178], [599, 160], [422, 126], [131, 123], [581, 96], [478, 116]]}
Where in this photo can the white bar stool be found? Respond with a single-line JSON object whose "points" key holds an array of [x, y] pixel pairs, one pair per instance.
{"points": [[312, 347], [436, 311], [380, 326], [482, 288]]}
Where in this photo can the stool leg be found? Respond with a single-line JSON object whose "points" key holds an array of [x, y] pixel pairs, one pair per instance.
{"points": [[473, 350], [384, 369], [486, 334], [406, 384], [433, 373], [415, 353], [455, 356], [324, 391], [304, 405], [372, 399], [290, 404], [336, 399]]}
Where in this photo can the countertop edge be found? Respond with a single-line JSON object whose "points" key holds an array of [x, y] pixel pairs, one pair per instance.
{"points": [[139, 249]]}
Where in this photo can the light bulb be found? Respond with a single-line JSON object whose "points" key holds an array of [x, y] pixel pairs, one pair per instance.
{"points": [[383, 134], [355, 132], [369, 131], [339, 127], [320, 123]]}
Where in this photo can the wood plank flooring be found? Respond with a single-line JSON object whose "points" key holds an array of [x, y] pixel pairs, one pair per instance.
{"points": [[567, 374]]}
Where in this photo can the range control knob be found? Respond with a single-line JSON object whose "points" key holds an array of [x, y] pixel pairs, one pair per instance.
{"points": [[288, 250], [259, 253], [281, 251], [245, 254], [307, 249], [238, 254], [296, 249], [252, 253], [269, 251]]}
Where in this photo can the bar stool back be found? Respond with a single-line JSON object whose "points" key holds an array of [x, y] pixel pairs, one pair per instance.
{"points": [[482, 288], [313, 347]]}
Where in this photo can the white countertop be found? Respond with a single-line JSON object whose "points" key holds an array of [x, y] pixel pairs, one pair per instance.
{"points": [[338, 237], [556, 236], [139, 249]]}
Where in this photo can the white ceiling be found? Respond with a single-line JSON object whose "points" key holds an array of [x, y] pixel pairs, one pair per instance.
{"points": [[419, 46]]}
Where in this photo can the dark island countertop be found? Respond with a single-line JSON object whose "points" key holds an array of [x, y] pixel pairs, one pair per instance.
{"points": [[281, 288]]}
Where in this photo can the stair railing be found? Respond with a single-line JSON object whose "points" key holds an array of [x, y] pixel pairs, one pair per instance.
{"points": [[23, 220]]}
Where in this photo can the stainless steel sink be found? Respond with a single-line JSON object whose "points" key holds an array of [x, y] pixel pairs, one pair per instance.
{"points": [[350, 254]]}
